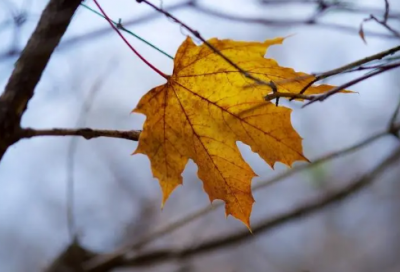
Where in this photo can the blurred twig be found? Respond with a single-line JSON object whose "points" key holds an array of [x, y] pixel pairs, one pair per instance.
{"points": [[90, 36], [266, 225], [70, 259], [392, 129], [383, 22], [109, 260], [311, 21], [348, 67], [73, 145]]}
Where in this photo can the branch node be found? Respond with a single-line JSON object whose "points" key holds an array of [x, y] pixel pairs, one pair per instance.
{"points": [[119, 24]]}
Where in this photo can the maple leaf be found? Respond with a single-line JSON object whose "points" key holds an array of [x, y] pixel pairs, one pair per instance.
{"points": [[206, 106]]}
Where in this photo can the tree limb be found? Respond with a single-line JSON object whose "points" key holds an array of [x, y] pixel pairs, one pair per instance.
{"points": [[29, 67]]}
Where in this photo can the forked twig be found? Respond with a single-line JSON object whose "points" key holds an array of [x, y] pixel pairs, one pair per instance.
{"points": [[351, 83]]}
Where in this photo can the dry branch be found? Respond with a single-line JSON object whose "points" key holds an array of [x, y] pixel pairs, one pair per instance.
{"points": [[86, 133]]}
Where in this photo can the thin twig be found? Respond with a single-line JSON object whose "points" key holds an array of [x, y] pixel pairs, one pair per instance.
{"points": [[120, 26], [336, 71], [392, 126], [269, 224], [277, 95], [196, 33], [73, 146], [95, 34], [387, 10], [382, 23], [155, 69], [287, 22], [338, 6], [351, 83], [86, 133]]}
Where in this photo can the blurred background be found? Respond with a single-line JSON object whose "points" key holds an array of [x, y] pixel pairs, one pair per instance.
{"points": [[94, 80]]}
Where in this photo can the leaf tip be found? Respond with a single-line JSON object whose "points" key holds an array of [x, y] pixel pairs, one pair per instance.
{"points": [[277, 40], [289, 36], [137, 151], [247, 224], [135, 110]]}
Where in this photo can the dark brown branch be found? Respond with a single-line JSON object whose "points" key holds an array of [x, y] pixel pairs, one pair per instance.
{"points": [[264, 226], [29, 67], [86, 133]]}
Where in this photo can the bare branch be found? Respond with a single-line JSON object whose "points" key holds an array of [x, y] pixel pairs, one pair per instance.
{"points": [[287, 22], [357, 63], [351, 83], [351, 66], [338, 6], [86, 133], [385, 25]]}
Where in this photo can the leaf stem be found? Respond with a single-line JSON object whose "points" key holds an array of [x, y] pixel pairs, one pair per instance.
{"points": [[127, 43]]}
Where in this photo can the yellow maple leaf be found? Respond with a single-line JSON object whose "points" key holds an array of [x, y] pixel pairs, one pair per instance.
{"points": [[206, 106]]}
